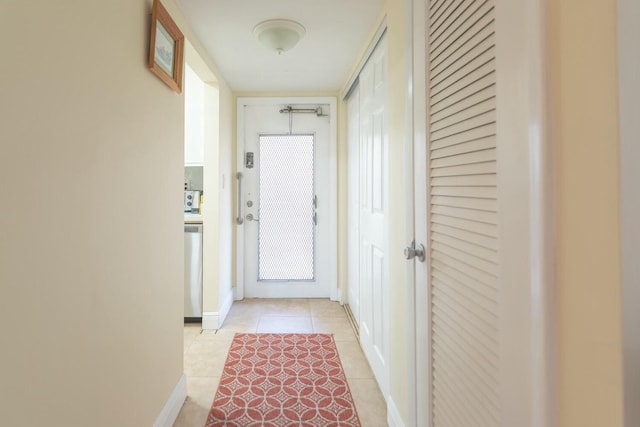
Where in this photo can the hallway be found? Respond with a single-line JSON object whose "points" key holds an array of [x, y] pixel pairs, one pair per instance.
{"points": [[205, 352]]}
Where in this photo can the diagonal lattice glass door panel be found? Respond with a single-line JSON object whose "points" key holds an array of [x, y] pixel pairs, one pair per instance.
{"points": [[286, 231]]}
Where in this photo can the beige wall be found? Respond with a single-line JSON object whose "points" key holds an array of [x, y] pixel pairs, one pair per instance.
{"points": [[90, 266], [398, 301], [211, 208], [227, 210], [584, 109], [217, 209]]}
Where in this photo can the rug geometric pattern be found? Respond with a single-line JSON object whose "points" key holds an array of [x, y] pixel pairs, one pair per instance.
{"points": [[278, 380]]}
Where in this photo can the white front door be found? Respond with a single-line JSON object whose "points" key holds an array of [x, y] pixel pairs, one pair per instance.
{"points": [[289, 244]]}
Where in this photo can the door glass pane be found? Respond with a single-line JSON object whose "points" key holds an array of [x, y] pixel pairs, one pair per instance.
{"points": [[286, 236]]}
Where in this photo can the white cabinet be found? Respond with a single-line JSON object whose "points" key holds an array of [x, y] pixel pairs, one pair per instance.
{"points": [[194, 118]]}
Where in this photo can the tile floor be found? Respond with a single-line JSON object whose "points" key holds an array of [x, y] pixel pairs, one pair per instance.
{"points": [[206, 351]]}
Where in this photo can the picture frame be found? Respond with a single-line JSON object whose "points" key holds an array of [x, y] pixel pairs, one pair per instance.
{"points": [[166, 48]]}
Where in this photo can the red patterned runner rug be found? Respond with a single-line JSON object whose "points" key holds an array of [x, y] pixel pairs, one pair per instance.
{"points": [[283, 380]]}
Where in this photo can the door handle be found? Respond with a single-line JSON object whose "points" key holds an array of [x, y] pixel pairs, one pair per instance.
{"points": [[239, 218], [414, 251]]}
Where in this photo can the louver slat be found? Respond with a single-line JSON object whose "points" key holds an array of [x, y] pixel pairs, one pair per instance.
{"points": [[464, 147], [468, 180], [465, 158], [463, 217], [488, 230], [472, 169], [475, 215]]}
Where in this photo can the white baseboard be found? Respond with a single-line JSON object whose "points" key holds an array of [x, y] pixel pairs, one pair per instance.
{"points": [[172, 407], [225, 307], [210, 320], [393, 416], [238, 294], [214, 319]]}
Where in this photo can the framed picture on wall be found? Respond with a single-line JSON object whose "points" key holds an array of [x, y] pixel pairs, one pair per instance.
{"points": [[166, 50]]}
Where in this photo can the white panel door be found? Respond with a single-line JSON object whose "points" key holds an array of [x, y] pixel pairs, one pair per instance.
{"points": [[373, 247], [288, 242]]}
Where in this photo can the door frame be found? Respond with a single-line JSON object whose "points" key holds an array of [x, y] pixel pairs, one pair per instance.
{"points": [[629, 105], [332, 274], [522, 49], [418, 283]]}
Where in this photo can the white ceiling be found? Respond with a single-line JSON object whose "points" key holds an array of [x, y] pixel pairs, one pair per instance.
{"points": [[336, 32]]}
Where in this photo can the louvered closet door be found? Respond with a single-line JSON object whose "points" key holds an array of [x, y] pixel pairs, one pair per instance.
{"points": [[463, 213]]}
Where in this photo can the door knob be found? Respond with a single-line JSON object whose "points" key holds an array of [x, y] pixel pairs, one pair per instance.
{"points": [[414, 251]]}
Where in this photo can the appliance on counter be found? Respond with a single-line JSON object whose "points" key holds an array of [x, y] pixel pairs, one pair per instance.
{"points": [[193, 272], [191, 201]]}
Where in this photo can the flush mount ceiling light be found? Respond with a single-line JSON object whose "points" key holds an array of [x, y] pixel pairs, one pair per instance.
{"points": [[279, 35]]}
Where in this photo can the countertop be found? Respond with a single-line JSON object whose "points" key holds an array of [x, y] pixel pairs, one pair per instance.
{"points": [[192, 218]]}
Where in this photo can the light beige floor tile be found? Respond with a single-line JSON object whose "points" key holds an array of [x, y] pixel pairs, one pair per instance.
{"points": [[214, 336], [191, 332], [245, 307], [206, 359], [285, 324], [370, 405], [240, 319], [324, 308], [240, 327], [353, 360], [227, 334], [202, 389], [192, 414], [192, 328], [285, 307], [341, 329], [200, 394], [207, 335]]}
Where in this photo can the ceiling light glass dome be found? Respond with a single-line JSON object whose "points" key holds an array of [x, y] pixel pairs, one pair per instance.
{"points": [[279, 35]]}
